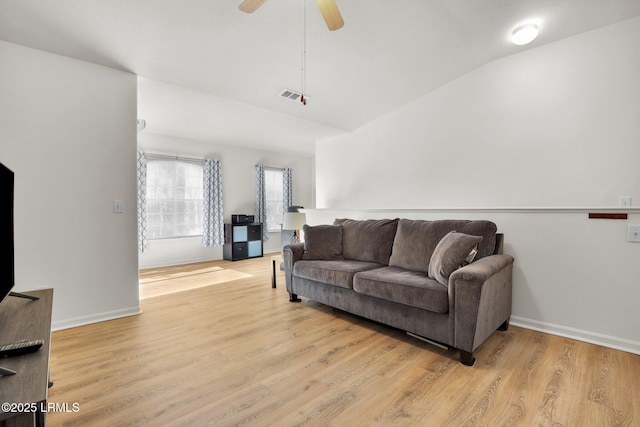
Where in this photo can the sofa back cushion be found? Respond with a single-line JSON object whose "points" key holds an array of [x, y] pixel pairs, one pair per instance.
{"points": [[416, 240], [367, 240]]}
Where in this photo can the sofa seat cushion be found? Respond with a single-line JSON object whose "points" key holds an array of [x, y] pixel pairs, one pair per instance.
{"points": [[336, 273], [412, 288]]}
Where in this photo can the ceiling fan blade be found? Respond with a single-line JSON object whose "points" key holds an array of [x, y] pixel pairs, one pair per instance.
{"points": [[331, 14], [250, 6]]}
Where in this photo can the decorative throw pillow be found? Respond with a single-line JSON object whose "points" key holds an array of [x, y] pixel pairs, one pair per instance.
{"points": [[450, 253], [472, 256], [323, 242]]}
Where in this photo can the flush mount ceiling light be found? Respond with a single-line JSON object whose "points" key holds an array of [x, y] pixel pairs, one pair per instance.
{"points": [[524, 34]]}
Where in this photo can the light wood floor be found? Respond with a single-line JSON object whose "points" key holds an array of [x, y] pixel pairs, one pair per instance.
{"points": [[238, 353]]}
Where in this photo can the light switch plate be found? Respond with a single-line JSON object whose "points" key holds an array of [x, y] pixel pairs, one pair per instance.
{"points": [[633, 233], [625, 201]]}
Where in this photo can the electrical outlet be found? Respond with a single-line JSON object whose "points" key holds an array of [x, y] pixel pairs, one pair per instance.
{"points": [[118, 206], [633, 233], [625, 201]]}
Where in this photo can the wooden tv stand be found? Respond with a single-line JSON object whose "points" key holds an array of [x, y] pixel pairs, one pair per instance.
{"points": [[23, 319]]}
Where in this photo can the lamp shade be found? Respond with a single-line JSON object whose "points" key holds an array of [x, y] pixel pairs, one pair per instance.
{"points": [[294, 220]]}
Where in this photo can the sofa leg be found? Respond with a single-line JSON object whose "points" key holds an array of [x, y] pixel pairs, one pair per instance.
{"points": [[504, 326], [466, 358], [293, 297]]}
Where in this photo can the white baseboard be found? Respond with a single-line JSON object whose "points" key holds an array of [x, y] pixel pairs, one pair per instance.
{"points": [[578, 334], [94, 318]]}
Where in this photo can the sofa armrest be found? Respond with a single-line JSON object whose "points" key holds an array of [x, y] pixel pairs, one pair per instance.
{"points": [[480, 299], [290, 254], [482, 269]]}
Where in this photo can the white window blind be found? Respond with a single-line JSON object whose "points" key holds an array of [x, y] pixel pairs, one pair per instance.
{"points": [[274, 198], [174, 199]]}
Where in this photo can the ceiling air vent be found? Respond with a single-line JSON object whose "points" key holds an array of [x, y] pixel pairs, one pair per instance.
{"points": [[291, 95]]}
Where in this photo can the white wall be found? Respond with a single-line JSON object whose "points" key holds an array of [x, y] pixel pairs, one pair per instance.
{"points": [[553, 127], [238, 186], [68, 131]]}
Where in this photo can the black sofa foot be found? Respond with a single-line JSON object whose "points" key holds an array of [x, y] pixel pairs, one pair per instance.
{"points": [[466, 358], [293, 298], [504, 326]]}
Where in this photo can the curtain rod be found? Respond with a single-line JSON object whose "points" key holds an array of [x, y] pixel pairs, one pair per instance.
{"points": [[167, 157], [272, 168]]}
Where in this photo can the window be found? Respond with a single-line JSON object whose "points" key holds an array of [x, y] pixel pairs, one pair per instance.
{"points": [[174, 199], [274, 195]]}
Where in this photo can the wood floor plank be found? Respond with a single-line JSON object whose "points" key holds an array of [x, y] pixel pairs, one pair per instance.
{"points": [[237, 353]]}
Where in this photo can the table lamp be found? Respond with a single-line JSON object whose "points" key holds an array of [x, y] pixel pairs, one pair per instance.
{"points": [[294, 220]]}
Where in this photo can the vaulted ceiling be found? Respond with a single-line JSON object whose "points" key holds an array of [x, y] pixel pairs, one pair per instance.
{"points": [[213, 73]]}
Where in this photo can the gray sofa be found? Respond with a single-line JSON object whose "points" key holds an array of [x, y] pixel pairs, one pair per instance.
{"points": [[447, 280]]}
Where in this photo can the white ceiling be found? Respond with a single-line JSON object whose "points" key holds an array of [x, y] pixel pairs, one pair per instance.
{"points": [[212, 73]]}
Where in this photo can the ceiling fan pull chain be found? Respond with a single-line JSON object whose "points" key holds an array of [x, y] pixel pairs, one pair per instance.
{"points": [[304, 50]]}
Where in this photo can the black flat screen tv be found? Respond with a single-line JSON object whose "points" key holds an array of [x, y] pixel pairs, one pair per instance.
{"points": [[7, 275]]}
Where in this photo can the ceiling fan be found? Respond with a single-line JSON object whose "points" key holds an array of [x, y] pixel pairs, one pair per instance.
{"points": [[328, 8]]}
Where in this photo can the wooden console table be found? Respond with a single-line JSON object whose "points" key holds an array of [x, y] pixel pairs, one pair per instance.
{"points": [[23, 319]]}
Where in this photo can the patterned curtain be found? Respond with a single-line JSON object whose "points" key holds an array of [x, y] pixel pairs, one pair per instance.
{"points": [[213, 221], [287, 188], [142, 202], [261, 201], [287, 236]]}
